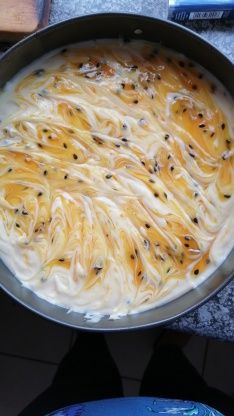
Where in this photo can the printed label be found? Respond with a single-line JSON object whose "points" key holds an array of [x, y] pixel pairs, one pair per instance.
{"points": [[206, 15]]}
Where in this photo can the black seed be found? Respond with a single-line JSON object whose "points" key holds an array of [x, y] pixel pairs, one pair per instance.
{"points": [[156, 194], [191, 147], [166, 137], [223, 126], [139, 273], [135, 101], [66, 176], [212, 134], [169, 157], [192, 155], [10, 170], [202, 125], [97, 269], [78, 109], [168, 269], [200, 115], [142, 162], [45, 130], [134, 67], [133, 86], [49, 137], [228, 142], [186, 245], [227, 196], [45, 172], [196, 271], [195, 220], [147, 225], [147, 244], [158, 76], [124, 139], [38, 72], [124, 126], [181, 63], [164, 193], [196, 194], [62, 259], [16, 210], [184, 110], [117, 145], [39, 194], [39, 145], [65, 145], [213, 88], [172, 168], [108, 176], [81, 65], [123, 85], [17, 225], [151, 180], [132, 256], [97, 140], [75, 157]]}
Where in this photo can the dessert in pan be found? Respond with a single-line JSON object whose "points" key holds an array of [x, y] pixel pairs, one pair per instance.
{"points": [[116, 176]]}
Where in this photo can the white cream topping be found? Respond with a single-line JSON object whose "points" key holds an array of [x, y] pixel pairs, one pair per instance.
{"points": [[116, 176]]}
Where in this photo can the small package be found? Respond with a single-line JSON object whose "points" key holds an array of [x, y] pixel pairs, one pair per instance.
{"points": [[184, 10]]}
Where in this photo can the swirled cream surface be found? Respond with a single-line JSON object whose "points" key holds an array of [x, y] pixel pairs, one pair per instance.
{"points": [[116, 176]]}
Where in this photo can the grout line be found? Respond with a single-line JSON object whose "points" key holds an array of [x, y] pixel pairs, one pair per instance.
{"points": [[28, 358], [205, 358]]}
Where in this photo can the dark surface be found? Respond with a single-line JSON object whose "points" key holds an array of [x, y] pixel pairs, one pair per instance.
{"points": [[76, 380], [193, 47]]}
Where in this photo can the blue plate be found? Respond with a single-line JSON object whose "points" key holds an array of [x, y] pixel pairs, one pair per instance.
{"points": [[137, 406]]}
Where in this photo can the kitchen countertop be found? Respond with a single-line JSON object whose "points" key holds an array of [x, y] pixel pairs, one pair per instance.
{"points": [[216, 317]]}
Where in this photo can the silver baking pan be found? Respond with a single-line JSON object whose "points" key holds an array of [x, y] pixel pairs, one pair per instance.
{"points": [[128, 26]]}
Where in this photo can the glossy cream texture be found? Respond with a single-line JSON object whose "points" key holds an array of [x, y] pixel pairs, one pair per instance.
{"points": [[116, 176]]}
